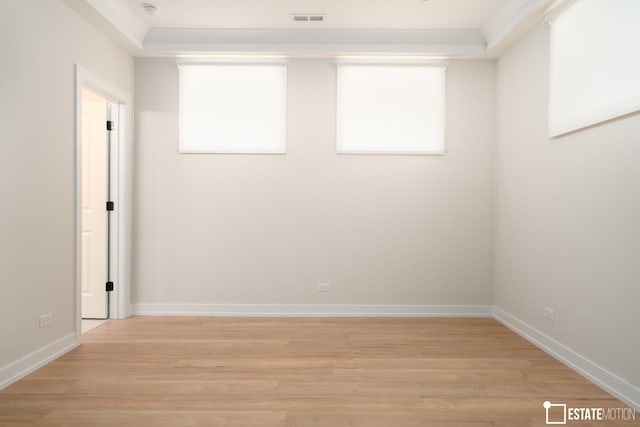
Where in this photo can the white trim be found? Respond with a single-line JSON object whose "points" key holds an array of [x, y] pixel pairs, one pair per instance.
{"points": [[35, 360], [391, 60], [117, 299], [506, 18], [449, 50], [595, 373], [510, 21], [222, 59], [391, 153], [314, 41], [312, 310], [122, 257], [123, 19], [556, 10], [114, 18]]}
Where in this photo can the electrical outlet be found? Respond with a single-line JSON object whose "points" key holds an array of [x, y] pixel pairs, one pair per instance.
{"points": [[549, 314], [324, 287], [45, 320]]}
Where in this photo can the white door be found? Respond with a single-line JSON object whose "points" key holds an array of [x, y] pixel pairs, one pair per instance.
{"points": [[95, 194]]}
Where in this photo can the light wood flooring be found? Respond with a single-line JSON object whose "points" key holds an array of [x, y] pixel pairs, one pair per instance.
{"points": [[248, 372], [89, 324]]}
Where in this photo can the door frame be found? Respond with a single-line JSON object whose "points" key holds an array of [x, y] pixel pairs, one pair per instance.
{"points": [[120, 157]]}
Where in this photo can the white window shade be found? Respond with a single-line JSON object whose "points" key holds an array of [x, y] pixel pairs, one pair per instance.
{"points": [[594, 64], [391, 108], [232, 108]]}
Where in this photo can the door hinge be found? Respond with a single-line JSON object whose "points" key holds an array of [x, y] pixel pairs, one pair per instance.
{"points": [[110, 206], [110, 125], [109, 286]]}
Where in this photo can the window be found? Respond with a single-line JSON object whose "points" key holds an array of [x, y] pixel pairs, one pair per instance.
{"points": [[232, 108], [391, 108], [594, 64]]}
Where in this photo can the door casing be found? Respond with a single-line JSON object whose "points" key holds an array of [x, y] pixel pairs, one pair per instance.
{"points": [[120, 157]]}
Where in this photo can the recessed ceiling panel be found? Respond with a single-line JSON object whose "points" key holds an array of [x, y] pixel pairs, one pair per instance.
{"points": [[339, 14]]}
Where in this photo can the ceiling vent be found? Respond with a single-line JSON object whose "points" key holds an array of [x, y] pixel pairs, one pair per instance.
{"points": [[299, 17]]}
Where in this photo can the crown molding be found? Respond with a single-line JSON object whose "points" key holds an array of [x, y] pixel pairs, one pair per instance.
{"points": [[510, 21], [114, 18], [432, 42]]}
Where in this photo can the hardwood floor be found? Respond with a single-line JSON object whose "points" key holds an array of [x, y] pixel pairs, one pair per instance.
{"points": [[168, 371]]}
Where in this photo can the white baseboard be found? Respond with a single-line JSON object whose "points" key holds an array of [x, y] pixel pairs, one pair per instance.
{"points": [[310, 310], [595, 373], [35, 360]]}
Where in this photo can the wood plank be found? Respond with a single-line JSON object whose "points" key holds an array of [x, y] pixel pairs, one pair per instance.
{"points": [[315, 372]]}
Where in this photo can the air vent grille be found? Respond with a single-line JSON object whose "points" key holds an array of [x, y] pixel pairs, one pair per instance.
{"points": [[303, 17]]}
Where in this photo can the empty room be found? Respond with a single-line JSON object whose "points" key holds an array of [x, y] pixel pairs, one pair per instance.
{"points": [[320, 213]]}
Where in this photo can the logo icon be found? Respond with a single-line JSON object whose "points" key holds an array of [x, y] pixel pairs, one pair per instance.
{"points": [[555, 416]]}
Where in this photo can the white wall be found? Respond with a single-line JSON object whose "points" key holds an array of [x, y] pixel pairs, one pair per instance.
{"points": [[567, 215], [262, 229], [39, 43]]}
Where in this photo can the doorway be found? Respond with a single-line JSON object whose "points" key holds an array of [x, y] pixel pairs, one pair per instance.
{"points": [[102, 218], [97, 125]]}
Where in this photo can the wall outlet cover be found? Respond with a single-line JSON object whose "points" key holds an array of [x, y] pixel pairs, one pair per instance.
{"points": [[45, 320], [324, 287], [548, 313]]}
